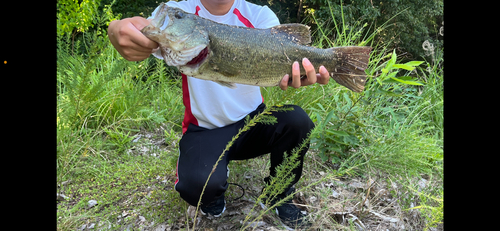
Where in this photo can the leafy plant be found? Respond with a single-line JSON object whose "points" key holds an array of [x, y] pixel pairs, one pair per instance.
{"points": [[391, 69], [131, 8], [334, 139], [74, 17], [432, 208], [119, 139], [341, 121]]}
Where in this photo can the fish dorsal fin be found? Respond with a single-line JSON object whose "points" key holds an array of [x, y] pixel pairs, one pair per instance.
{"points": [[298, 33]]}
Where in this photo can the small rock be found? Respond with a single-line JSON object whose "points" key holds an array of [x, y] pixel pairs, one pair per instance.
{"points": [[61, 197], [83, 227], [358, 185], [255, 224], [421, 184], [161, 228], [383, 192], [234, 212], [385, 217], [65, 182], [394, 185], [137, 138], [92, 203], [91, 226], [312, 199], [142, 219], [335, 194], [191, 211], [248, 175], [362, 185]]}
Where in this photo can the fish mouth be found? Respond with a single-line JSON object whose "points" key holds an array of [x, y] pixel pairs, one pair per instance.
{"points": [[161, 20], [200, 58]]}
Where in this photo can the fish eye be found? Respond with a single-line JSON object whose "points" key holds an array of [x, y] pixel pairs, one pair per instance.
{"points": [[179, 15]]}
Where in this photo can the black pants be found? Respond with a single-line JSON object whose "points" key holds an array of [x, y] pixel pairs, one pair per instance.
{"points": [[200, 148]]}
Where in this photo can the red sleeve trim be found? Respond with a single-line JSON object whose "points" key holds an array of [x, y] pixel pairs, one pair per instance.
{"points": [[188, 115], [197, 9]]}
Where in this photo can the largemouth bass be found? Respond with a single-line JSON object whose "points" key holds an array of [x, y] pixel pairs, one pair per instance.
{"points": [[208, 50]]}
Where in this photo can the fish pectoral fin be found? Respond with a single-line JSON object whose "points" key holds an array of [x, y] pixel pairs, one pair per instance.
{"points": [[225, 70], [227, 84], [296, 32]]}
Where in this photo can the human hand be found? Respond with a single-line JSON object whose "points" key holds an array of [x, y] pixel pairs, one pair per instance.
{"points": [[126, 37], [322, 77]]}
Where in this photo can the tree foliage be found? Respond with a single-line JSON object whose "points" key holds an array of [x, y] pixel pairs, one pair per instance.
{"points": [[72, 15], [416, 20]]}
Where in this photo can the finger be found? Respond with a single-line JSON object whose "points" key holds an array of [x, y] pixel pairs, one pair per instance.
{"points": [[128, 37], [140, 49], [284, 82], [310, 72], [135, 26], [323, 76], [133, 51], [142, 41], [140, 22], [295, 75], [135, 56]]}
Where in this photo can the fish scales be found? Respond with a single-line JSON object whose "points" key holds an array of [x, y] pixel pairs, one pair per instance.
{"points": [[227, 54]]}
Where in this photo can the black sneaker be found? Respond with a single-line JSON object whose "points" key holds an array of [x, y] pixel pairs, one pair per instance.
{"points": [[290, 215], [214, 208]]}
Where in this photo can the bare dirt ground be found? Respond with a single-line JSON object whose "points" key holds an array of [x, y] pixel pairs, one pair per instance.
{"points": [[345, 203], [333, 205]]}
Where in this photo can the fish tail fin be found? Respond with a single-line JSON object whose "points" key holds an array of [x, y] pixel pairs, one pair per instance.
{"points": [[350, 68]]}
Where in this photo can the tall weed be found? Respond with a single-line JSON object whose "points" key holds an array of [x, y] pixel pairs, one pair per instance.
{"points": [[342, 115], [100, 94]]}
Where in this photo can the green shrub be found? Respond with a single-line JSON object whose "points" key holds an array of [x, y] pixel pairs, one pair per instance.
{"points": [[131, 8], [77, 17], [72, 15]]}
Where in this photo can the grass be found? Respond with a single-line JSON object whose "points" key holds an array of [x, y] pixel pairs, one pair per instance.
{"points": [[126, 184], [119, 123]]}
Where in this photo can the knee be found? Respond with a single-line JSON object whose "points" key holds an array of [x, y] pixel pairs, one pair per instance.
{"points": [[190, 188], [298, 120]]}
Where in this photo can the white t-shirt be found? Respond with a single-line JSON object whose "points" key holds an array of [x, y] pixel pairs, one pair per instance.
{"points": [[208, 104]]}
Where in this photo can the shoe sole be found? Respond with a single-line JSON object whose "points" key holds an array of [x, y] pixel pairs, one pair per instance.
{"points": [[218, 215]]}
